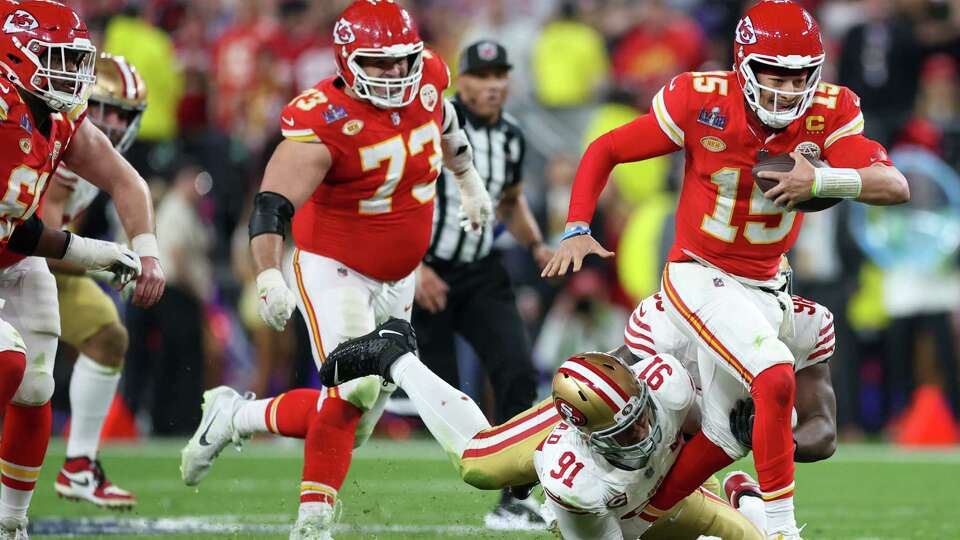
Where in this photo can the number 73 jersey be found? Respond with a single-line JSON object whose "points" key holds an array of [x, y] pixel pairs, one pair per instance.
{"points": [[373, 211], [722, 215]]}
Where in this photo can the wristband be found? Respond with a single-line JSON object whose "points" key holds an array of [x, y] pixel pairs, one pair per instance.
{"points": [[834, 182], [145, 245], [579, 230]]}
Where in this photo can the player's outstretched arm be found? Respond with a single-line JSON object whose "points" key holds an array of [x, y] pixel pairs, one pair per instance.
{"points": [[91, 155], [640, 139], [293, 173], [816, 404]]}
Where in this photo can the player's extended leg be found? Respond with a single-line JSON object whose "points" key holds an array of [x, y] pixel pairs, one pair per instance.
{"points": [[31, 307], [747, 348], [102, 341]]}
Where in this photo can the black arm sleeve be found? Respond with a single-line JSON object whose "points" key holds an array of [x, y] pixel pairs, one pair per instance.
{"points": [[272, 213], [26, 236]]}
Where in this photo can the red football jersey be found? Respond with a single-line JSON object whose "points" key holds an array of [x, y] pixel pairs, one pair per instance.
{"points": [[27, 159], [373, 212], [722, 215]]}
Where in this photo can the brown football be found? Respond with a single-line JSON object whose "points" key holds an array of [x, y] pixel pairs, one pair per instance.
{"points": [[785, 163]]}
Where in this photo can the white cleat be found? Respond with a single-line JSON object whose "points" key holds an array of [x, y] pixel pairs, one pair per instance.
{"points": [[315, 522], [792, 534], [215, 432], [512, 514], [13, 528]]}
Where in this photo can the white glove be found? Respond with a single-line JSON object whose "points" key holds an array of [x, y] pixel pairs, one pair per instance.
{"points": [[100, 255], [277, 301], [476, 210]]}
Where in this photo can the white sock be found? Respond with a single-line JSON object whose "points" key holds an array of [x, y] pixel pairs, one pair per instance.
{"points": [[14, 502], [92, 389], [780, 516], [251, 417], [450, 415], [754, 509]]}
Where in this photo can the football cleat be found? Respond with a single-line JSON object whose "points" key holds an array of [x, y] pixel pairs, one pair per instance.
{"points": [[512, 514], [788, 535], [13, 528], [372, 354], [83, 479], [737, 484], [315, 521], [216, 430]]}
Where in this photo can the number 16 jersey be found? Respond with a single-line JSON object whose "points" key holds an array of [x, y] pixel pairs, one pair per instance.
{"points": [[373, 212], [722, 216]]}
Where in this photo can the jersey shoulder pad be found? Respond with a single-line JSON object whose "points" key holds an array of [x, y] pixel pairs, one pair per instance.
{"points": [[839, 108], [435, 70], [668, 380], [669, 107], [570, 477], [308, 116], [11, 104]]}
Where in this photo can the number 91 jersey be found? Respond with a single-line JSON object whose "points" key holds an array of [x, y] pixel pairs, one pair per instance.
{"points": [[722, 215], [580, 480], [373, 211]]}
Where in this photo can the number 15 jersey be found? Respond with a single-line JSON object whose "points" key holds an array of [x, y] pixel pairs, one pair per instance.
{"points": [[373, 211], [722, 216]]}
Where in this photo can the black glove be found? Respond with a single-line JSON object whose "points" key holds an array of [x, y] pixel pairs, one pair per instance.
{"points": [[741, 422]]}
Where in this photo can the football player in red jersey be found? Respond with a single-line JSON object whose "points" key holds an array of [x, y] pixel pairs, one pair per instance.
{"points": [[46, 68], [357, 174], [721, 281]]}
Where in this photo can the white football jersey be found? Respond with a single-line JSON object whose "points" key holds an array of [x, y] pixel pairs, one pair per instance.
{"points": [[577, 478], [650, 331]]}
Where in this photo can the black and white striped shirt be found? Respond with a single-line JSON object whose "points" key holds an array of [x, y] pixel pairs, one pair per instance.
{"points": [[498, 151]]}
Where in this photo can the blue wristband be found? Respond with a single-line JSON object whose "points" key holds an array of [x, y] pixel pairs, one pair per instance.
{"points": [[579, 230]]}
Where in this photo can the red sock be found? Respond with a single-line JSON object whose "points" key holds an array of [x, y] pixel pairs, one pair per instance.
{"points": [[697, 461], [12, 365], [773, 393], [291, 413], [328, 450], [26, 432]]}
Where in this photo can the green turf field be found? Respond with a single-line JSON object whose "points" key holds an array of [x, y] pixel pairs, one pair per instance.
{"points": [[408, 490]]}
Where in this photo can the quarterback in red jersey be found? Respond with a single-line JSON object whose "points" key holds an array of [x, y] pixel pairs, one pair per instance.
{"points": [[357, 175], [46, 69], [721, 281]]}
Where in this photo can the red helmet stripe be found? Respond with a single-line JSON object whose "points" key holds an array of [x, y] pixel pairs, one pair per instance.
{"points": [[606, 388], [605, 396]]}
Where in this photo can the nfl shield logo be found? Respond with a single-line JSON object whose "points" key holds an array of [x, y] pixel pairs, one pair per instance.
{"points": [[395, 118]]}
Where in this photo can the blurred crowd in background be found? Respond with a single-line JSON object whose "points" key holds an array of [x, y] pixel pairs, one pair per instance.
{"points": [[219, 72]]}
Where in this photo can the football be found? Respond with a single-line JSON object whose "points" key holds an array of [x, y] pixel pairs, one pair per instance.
{"points": [[785, 163]]}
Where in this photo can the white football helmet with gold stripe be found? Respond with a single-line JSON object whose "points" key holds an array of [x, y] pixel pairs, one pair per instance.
{"points": [[117, 101]]}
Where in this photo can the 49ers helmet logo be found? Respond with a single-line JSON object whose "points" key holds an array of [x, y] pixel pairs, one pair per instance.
{"points": [[569, 412], [745, 32], [20, 21], [343, 33]]}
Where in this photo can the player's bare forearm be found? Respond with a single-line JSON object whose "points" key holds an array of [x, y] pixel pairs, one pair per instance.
{"points": [[816, 404], [883, 185], [267, 251], [92, 156], [55, 200]]}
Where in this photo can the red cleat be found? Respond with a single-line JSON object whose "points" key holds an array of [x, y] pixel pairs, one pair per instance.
{"points": [[81, 479], [737, 484]]}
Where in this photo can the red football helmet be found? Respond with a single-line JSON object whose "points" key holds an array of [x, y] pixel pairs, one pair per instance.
{"points": [[45, 49], [781, 34], [379, 29]]}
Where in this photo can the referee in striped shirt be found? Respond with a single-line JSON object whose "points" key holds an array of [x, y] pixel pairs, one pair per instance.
{"points": [[462, 287]]}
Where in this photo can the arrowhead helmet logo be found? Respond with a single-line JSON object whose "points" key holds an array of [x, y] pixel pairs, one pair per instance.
{"points": [[20, 21], [745, 33], [343, 33]]}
